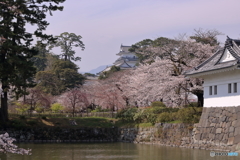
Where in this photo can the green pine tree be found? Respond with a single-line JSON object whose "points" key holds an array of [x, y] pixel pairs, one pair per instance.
{"points": [[16, 49]]}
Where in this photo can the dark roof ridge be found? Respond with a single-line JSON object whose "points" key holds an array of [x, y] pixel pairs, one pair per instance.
{"points": [[234, 43], [230, 39], [231, 50], [125, 46], [127, 64], [209, 59], [228, 46]]}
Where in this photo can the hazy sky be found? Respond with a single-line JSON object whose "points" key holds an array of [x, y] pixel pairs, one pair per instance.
{"points": [[106, 24]]}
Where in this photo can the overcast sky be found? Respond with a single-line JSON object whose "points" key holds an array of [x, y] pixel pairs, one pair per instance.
{"points": [[106, 24]]}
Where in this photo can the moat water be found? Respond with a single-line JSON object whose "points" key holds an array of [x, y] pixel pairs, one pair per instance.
{"points": [[110, 151]]}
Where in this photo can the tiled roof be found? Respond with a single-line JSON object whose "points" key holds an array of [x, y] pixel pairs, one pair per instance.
{"points": [[213, 63]]}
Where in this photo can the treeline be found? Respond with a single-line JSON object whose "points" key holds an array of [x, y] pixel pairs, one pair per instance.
{"points": [[20, 58], [55, 73], [160, 73]]}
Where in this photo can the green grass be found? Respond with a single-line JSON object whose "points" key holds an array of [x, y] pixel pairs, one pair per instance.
{"points": [[131, 124], [91, 122], [96, 122], [177, 121]]}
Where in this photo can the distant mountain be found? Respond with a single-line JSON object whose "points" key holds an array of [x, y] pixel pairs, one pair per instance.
{"points": [[98, 69]]}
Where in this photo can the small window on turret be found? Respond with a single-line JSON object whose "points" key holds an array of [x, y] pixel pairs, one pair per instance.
{"points": [[235, 87], [229, 88], [215, 90], [210, 90]]}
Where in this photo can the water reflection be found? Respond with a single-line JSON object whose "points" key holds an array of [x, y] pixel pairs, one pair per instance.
{"points": [[113, 151]]}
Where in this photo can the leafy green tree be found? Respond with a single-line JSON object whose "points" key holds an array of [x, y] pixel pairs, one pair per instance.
{"points": [[40, 60], [143, 47], [106, 74], [48, 82], [60, 65], [57, 107], [89, 74], [64, 75], [51, 59], [22, 107], [71, 78], [68, 74], [139, 47], [67, 41], [15, 43]]}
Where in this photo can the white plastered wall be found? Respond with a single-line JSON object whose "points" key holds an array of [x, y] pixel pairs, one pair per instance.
{"points": [[223, 98], [129, 54]]}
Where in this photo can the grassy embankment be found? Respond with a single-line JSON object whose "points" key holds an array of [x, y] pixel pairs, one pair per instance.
{"points": [[20, 122]]}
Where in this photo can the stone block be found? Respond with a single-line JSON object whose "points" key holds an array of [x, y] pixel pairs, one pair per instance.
{"points": [[204, 123], [204, 115], [231, 109], [231, 134], [211, 136], [231, 129], [238, 147], [223, 119], [224, 113], [237, 131], [231, 118], [226, 130], [234, 116], [238, 115], [212, 109], [220, 136], [213, 130], [228, 114], [218, 114], [235, 123], [198, 136], [228, 125], [225, 137], [219, 130], [221, 124], [237, 109], [205, 110], [204, 135], [237, 139], [224, 125], [230, 141]]}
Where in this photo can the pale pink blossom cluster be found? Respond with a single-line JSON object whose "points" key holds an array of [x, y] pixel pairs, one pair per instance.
{"points": [[164, 78], [107, 93], [74, 100], [161, 80], [7, 146]]}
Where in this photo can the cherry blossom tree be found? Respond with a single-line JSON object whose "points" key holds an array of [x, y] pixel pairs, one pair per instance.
{"points": [[163, 78], [38, 100], [108, 93], [75, 99], [7, 146]]}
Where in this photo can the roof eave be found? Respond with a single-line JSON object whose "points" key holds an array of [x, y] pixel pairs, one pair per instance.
{"points": [[214, 71]]}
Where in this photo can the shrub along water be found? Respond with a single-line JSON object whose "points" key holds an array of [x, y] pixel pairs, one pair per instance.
{"points": [[158, 112]]}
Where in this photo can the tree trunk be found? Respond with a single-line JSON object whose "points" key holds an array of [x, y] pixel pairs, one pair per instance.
{"points": [[112, 111], [4, 108], [73, 111], [127, 101], [136, 104], [200, 99]]}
